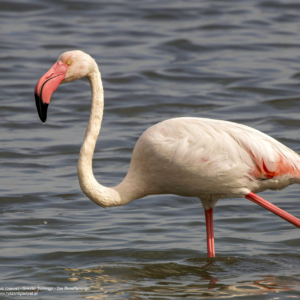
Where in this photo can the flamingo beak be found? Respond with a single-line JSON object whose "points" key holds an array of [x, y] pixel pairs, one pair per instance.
{"points": [[46, 86]]}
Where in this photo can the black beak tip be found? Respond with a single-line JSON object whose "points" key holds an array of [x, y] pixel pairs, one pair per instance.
{"points": [[41, 108]]}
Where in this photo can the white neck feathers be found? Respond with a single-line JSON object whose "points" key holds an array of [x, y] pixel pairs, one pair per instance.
{"points": [[101, 195]]}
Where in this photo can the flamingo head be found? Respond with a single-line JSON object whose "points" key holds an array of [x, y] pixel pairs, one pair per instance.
{"points": [[70, 66]]}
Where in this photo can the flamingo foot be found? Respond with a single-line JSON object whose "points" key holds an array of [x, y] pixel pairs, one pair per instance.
{"points": [[273, 208], [210, 233]]}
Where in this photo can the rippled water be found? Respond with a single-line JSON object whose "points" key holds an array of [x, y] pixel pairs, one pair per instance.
{"points": [[232, 60]]}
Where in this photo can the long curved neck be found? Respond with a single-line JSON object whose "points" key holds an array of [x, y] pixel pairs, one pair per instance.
{"points": [[101, 195]]}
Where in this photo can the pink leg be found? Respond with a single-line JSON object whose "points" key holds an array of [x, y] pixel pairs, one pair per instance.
{"points": [[210, 233], [273, 208]]}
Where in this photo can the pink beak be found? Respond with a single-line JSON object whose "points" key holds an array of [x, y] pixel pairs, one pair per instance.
{"points": [[46, 86]]}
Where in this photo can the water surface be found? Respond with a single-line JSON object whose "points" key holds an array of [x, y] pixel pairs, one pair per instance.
{"points": [[231, 60]]}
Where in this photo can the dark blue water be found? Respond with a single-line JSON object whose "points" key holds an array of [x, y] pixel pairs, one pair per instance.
{"points": [[231, 60]]}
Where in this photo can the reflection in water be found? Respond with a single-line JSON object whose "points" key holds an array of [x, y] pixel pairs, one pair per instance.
{"points": [[143, 281]]}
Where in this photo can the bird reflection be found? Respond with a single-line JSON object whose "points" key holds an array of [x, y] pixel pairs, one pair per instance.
{"points": [[140, 281]]}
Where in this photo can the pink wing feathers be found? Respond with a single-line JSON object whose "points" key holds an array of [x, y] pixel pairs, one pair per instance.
{"points": [[270, 157]]}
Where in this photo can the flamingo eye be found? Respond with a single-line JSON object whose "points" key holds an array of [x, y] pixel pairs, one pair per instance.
{"points": [[69, 62]]}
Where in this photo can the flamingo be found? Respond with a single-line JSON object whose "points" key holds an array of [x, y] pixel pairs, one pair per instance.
{"points": [[191, 157]]}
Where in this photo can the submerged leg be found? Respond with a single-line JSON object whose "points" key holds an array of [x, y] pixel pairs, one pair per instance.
{"points": [[210, 233], [273, 208]]}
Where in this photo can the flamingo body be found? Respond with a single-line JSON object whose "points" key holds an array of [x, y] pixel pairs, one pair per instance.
{"points": [[194, 157], [210, 159]]}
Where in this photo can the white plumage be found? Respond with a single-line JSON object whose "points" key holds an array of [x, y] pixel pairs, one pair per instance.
{"points": [[208, 159]]}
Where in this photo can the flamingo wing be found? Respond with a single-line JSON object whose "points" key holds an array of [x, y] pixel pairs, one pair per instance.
{"points": [[201, 157]]}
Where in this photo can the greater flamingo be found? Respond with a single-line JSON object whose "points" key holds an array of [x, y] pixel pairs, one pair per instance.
{"points": [[196, 157]]}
